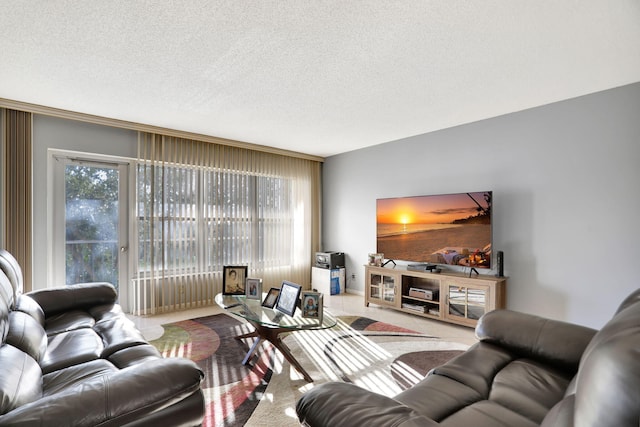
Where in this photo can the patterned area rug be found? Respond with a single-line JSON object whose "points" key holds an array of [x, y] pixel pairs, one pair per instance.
{"points": [[378, 356]]}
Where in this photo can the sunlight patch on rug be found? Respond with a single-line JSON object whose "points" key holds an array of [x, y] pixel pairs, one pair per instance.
{"points": [[371, 360], [370, 357]]}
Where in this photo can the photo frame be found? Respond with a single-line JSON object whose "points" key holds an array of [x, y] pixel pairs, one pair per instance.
{"points": [[233, 279], [254, 288], [312, 305], [376, 259], [271, 298], [288, 299]]}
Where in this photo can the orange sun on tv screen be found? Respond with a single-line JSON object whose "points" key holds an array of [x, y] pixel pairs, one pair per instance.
{"points": [[401, 212]]}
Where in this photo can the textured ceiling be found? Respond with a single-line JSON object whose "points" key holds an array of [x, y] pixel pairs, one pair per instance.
{"points": [[317, 77]]}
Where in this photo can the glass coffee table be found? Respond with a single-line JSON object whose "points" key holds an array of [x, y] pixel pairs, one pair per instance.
{"points": [[269, 324]]}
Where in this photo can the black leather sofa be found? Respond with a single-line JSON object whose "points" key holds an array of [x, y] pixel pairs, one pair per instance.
{"points": [[70, 357], [524, 371]]}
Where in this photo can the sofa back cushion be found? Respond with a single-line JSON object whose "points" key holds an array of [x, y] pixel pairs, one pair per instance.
{"points": [[11, 268], [27, 305], [20, 379], [607, 391], [27, 335], [74, 297], [553, 342], [6, 303]]}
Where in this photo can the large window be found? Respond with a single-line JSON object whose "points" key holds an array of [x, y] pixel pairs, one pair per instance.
{"points": [[196, 220], [201, 206]]}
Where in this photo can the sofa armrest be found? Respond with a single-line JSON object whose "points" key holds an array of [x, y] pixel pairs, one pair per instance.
{"points": [[342, 404], [115, 399], [78, 296], [556, 342]]}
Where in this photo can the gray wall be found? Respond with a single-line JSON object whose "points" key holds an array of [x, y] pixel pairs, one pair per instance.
{"points": [[49, 132], [566, 183]]}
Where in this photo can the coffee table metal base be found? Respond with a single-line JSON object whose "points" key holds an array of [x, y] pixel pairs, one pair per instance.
{"points": [[272, 335]]}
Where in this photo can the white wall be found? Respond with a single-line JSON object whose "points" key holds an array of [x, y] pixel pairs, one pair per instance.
{"points": [[566, 183], [49, 132]]}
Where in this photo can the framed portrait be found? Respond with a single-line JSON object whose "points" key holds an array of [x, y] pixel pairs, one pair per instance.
{"points": [[233, 279], [376, 259], [311, 305], [254, 288], [288, 299], [271, 298]]}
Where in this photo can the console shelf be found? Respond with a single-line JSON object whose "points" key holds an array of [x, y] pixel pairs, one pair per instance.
{"points": [[449, 297]]}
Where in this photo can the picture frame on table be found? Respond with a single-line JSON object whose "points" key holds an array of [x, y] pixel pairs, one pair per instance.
{"points": [[254, 288], [376, 259], [271, 298], [312, 305], [233, 279], [288, 298]]}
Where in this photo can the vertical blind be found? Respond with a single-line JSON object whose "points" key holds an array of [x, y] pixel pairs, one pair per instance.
{"points": [[17, 204], [202, 206]]}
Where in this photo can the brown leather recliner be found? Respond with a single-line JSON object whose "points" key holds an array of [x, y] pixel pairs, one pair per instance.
{"points": [[70, 357], [524, 371]]}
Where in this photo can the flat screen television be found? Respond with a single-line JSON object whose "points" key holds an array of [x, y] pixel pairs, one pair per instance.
{"points": [[452, 229]]}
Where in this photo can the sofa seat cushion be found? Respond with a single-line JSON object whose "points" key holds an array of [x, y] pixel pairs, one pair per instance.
{"points": [[462, 381], [533, 398], [477, 367], [134, 355], [437, 397], [487, 414], [148, 394], [20, 378], [63, 379], [116, 334], [84, 344], [71, 348], [490, 374]]}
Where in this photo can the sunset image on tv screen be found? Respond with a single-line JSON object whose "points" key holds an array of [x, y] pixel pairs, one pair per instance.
{"points": [[450, 229]]}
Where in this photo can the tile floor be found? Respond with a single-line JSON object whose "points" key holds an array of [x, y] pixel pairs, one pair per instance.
{"points": [[339, 305]]}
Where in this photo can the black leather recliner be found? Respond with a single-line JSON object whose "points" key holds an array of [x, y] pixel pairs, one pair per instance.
{"points": [[70, 357], [525, 371]]}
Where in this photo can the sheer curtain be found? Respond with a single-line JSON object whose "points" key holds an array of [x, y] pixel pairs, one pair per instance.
{"points": [[202, 206]]}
